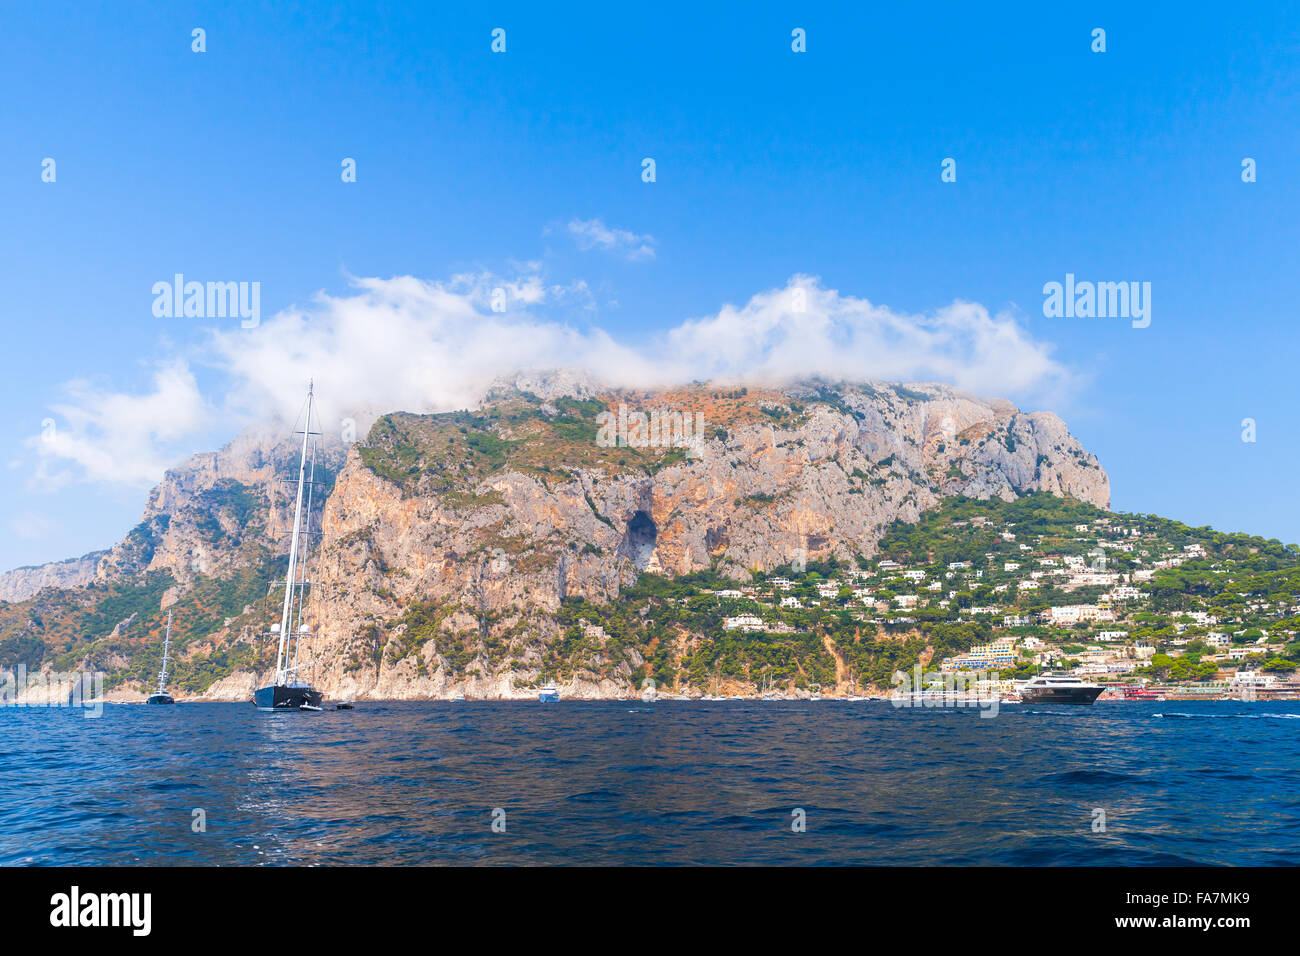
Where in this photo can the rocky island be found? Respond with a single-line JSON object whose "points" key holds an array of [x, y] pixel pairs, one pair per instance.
{"points": [[476, 551]]}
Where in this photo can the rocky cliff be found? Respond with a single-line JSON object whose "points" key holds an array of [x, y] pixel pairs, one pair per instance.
{"points": [[21, 583], [455, 547]]}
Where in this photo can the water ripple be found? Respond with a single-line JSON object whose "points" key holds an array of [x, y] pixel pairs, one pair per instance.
{"points": [[669, 783]]}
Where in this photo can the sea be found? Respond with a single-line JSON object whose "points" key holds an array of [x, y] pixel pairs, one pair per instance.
{"points": [[665, 783]]}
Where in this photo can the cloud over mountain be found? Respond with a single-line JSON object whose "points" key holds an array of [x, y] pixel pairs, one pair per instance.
{"points": [[421, 345], [117, 437]]}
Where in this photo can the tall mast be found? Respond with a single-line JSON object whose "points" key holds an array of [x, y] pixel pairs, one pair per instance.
{"points": [[302, 581], [167, 639], [293, 546]]}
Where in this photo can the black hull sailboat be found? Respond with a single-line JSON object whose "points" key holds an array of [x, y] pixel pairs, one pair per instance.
{"points": [[161, 696], [288, 691], [287, 697]]}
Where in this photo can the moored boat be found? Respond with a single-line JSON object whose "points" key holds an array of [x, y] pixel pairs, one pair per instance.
{"points": [[161, 696], [288, 691], [289, 694], [1057, 687]]}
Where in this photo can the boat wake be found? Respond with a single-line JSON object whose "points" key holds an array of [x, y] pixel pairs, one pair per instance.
{"points": [[1230, 716]]}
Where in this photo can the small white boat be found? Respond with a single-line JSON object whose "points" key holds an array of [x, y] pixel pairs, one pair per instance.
{"points": [[458, 699], [548, 694]]}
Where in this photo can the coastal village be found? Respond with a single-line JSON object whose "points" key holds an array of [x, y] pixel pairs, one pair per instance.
{"points": [[1118, 600]]}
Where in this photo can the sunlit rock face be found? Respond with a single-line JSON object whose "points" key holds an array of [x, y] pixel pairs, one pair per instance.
{"points": [[497, 533]]}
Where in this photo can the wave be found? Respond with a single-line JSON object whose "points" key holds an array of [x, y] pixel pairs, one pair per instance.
{"points": [[1091, 776], [1229, 716]]}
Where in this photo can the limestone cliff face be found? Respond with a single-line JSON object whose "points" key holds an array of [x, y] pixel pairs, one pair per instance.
{"points": [[804, 472], [202, 517], [21, 583], [218, 510]]}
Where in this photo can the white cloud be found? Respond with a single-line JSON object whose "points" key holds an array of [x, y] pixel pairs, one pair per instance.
{"points": [[407, 344], [805, 329], [116, 437], [594, 234], [416, 345]]}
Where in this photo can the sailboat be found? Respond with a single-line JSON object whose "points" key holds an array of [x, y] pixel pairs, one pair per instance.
{"points": [[162, 697], [289, 691]]}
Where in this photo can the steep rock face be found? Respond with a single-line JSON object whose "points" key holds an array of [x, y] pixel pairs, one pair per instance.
{"points": [[22, 583], [797, 474], [209, 546], [218, 509]]}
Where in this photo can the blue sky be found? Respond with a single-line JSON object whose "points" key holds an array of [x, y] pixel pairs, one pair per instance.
{"points": [[225, 165]]}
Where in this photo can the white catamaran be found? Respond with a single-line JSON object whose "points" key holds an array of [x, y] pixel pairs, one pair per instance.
{"points": [[289, 691], [162, 697]]}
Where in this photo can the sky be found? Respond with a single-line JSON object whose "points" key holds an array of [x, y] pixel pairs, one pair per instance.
{"points": [[780, 177]]}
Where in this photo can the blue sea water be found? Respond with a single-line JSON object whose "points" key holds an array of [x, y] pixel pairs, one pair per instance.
{"points": [[666, 783]]}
